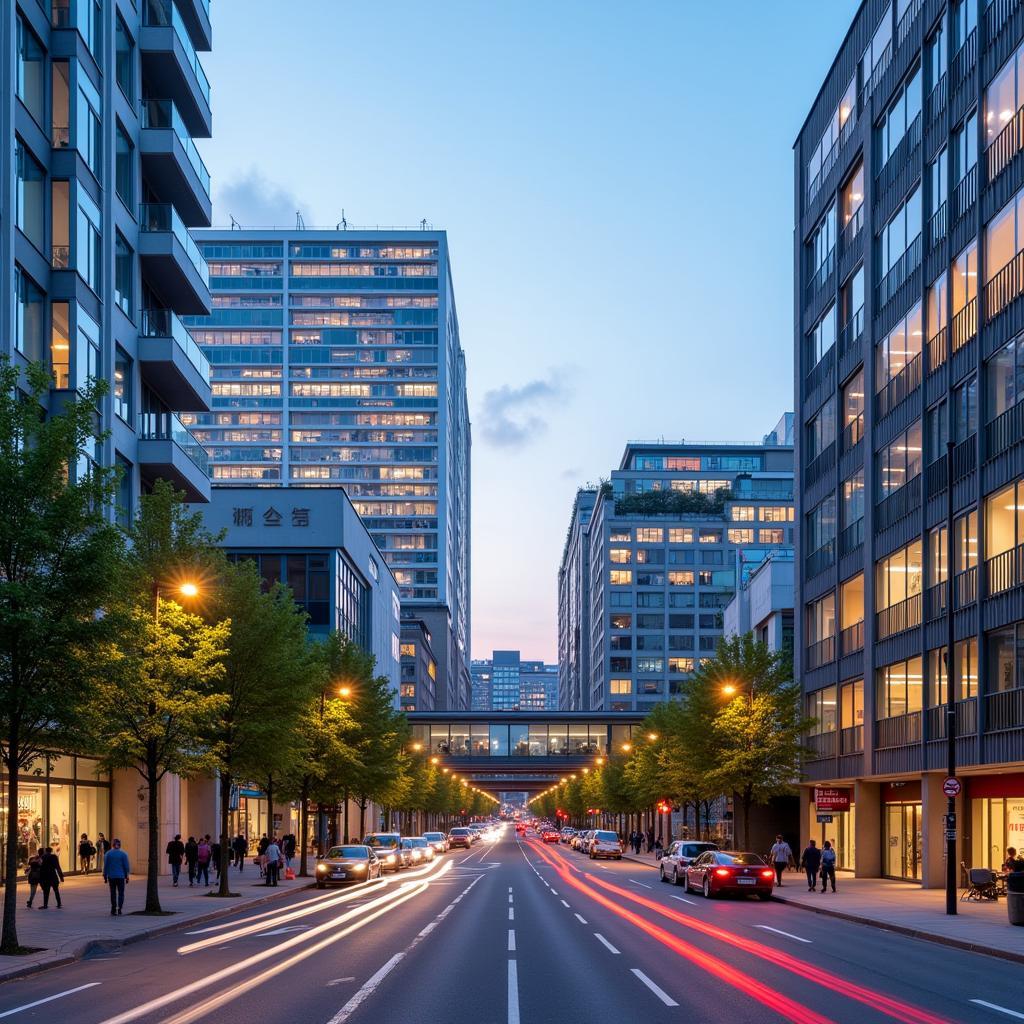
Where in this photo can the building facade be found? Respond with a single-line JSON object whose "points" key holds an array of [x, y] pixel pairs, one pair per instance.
{"points": [[336, 360], [909, 306], [505, 682], [418, 687], [480, 674], [573, 608], [763, 603], [672, 534]]}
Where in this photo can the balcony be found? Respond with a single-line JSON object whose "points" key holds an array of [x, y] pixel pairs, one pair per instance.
{"points": [[964, 60], [821, 745], [851, 740], [965, 587], [1004, 710], [171, 67], [851, 229], [899, 387], [899, 617], [820, 560], [172, 164], [168, 451], [965, 324], [821, 275], [852, 537], [898, 503], [935, 601], [1004, 147], [937, 226], [851, 639], [169, 254], [938, 349], [1004, 287], [821, 653], [172, 363], [1003, 571], [1005, 431], [898, 731], [899, 273], [852, 433], [966, 712]]}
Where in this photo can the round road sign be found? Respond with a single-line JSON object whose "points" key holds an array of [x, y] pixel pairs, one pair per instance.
{"points": [[951, 786]]}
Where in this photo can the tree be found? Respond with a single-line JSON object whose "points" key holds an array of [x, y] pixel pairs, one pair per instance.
{"points": [[59, 559], [266, 684], [154, 689]]}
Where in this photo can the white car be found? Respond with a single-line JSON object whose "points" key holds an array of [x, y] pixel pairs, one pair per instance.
{"points": [[605, 844]]}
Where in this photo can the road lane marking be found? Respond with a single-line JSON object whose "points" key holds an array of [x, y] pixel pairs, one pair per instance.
{"points": [[510, 897], [779, 931], [644, 884], [284, 931], [367, 990], [511, 914], [424, 932], [683, 899], [338, 981], [511, 940], [581, 920], [48, 999], [659, 992], [513, 993], [999, 1009], [510, 888], [604, 942], [564, 904]]}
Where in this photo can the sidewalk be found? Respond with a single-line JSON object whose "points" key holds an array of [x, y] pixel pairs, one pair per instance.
{"points": [[85, 924]]}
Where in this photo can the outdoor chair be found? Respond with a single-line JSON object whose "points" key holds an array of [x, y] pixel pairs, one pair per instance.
{"points": [[982, 885]]}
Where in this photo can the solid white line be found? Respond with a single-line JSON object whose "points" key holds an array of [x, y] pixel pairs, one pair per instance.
{"points": [[366, 991], [511, 940], [999, 1009], [511, 914], [683, 899], [660, 993], [564, 904], [513, 993], [779, 931], [581, 920], [635, 882], [604, 942], [48, 999]]}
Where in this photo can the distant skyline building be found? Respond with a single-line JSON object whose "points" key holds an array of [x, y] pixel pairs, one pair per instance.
{"points": [[336, 359], [504, 682], [574, 607]]}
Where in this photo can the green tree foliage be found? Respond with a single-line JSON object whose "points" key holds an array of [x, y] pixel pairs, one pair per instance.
{"points": [[653, 503], [59, 562]]}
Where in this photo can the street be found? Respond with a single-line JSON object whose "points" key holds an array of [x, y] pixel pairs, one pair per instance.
{"points": [[516, 931]]}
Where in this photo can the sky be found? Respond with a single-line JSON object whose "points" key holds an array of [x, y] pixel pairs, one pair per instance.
{"points": [[616, 181]]}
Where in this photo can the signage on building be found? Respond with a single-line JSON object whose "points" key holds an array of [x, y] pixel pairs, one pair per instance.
{"points": [[824, 819], [1015, 820], [827, 799], [270, 516], [951, 786]]}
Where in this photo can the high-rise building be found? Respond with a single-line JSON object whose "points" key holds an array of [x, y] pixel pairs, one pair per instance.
{"points": [[104, 179], [504, 682], [672, 533], [538, 686], [418, 666], [910, 300], [574, 609], [480, 675], [336, 360], [763, 604]]}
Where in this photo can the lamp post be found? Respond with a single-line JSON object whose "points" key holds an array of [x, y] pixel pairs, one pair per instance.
{"points": [[186, 589]]}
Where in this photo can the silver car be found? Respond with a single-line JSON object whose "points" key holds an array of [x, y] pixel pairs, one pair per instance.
{"points": [[605, 844]]}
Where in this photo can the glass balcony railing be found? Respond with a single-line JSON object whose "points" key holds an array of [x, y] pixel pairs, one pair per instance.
{"points": [[164, 114], [164, 217], [165, 426], [165, 14], [163, 323]]}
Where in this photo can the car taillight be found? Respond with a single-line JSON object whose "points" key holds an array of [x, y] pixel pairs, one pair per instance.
{"points": [[767, 873], [723, 872]]}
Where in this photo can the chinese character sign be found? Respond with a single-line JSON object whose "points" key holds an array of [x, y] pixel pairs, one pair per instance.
{"points": [[241, 517]]}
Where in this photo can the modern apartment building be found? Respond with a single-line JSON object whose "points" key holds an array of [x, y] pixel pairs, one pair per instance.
{"points": [[336, 359], [909, 306], [763, 603], [418, 687], [672, 533], [504, 682], [573, 609]]}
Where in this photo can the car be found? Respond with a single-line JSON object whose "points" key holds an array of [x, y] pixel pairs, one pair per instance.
{"points": [[388, 847], [549, 835], [605, 844], [460, 836], [581, 841], [438, 840], [344, 864], [680, 854], [520, 828], [716, 872], [475, 833], [420, 851], [566, 834]]}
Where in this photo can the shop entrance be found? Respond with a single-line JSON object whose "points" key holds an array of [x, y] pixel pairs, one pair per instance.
{"points": [[902, 855]]}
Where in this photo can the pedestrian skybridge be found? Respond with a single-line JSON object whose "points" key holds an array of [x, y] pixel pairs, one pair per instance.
{"points": [[520, 750]]}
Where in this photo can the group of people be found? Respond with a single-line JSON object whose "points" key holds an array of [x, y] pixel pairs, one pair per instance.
{"points": [[87, 849], [197, 855], [43, 871], [816, 862], [647, 841]]}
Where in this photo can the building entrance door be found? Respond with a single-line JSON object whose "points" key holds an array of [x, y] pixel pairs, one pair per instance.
{"points": [[903, 841]]}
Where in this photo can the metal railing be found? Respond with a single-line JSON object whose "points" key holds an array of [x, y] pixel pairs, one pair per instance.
{"points": [[936, 476], [821, 463], [899, 617], [160, 217], [965, 456], [899, 156], [852, 332], [852, 537], [821, 371], [898, 503], [821, 652], [1006, 430], [851, 639], [900, 271], [936, 99], [164, 323], [965, 712], [821, 559], [165, 14], [820, 745], [852, 433], [965, 193], [1003, 571], [964, 59], [166, 426], [898, 731], [1003, 287], [938, 345], [937, 226], [1005, 146], [965, 324], [906, 23], [965, 586], [851, 229], [821, 274], [1004, 710], [851, 740], [60, 136], [899, 387], [163, 114], [996, 15], [935, 601]]}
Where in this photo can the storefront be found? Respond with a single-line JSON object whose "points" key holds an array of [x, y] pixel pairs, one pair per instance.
{"points": [[997, 818], [250, 817], [832, 816], [902, 830], [56, 804]]}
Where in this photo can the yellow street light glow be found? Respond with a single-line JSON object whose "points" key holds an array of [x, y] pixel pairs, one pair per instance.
{"points": [[435, 760], [729, 689], [344, 691], [627, 747], [652, 736], [417, 746], [189, 589]]}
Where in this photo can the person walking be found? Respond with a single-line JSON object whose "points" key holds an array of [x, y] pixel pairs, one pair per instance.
{"points": [[175, 855], [288, 849], [191, 856], [215, 859], [35, 863], [203, 855], [102, 846], [810, 861], [86, 852], [239, 847], [273, 857], [780, 855], [50, 877], [828, 866], [117, 874], [650, 840]]}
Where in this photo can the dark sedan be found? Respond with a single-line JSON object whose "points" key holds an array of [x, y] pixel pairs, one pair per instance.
{"points": [[388, 847], [679, 856], [343, 864], [720, 871]]}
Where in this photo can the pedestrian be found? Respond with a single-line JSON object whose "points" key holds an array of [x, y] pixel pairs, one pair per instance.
{"points": [[273, 856], [50, 877], [810, 861], [86, 852], [659, 850], [263, 844], [117, 874], [191, 856], [650, 840], [239, 847], [102, 846], [828, 866], [35, 862], [203, 855], [288, 849], [215, 858], [175, 854], [780, 855]]}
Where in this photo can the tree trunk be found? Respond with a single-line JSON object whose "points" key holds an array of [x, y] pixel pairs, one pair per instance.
{"points": [[270, 804], [153, 855], [345, 826], [9, 942], [362, 816], [304, 829], [224, 888], [747, 799]]}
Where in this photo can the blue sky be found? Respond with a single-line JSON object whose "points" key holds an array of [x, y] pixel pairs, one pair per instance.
{"points": [[616, 182]]}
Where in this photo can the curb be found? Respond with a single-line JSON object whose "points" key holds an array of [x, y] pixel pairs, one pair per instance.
{"points": [[107, 944]]}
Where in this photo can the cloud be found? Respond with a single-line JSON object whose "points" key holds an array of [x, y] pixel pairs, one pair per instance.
{"points": [[255, 201], [513, 417], [570, 474]]}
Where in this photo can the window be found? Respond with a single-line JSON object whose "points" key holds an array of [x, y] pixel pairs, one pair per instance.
{"points": [[776, 514], [620, 686], [900, 688], [898, 577], [620, 556], [1004, 378], [124, 492], [30, 85], [88, 15], [680, 665], [900, 460], [28, 317], [853, 197], [742, 513], [821, 247], [821, 431], [822, 337], [684, 536], [879, 49], [649, 535], [1004, 96], [823, 157], [123, 386], [88, 124], [88, 243], [900, 233], [1004, 522], [87, 350], [620, 643], [821, 706], [650, 665], [852, 302], [851, 601], [938, 180], [620, 536], [60, 344], [965, 409], [936, 430], [30, 214], [649, 599], [903, 111], [650, 579], [770, 536], [965, 656], [741, 536], [124, 169], [620, 577], [853, 499], [1005, 650], [963, 20], [821, 619], [936, 56], [965, 149], [851, 704], [853, 410], [821, 525], [710, 537], [965, 285], [680, 578], [124, 60], [650, 556], [124, 268], [938, 298], [618, 620], [900, 348], [1004, 237]]}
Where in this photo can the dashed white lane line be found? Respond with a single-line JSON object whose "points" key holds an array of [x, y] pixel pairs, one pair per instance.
{"points": [[582, 920], [659, 992], [511, 940], [511, 914], [510, 897], [553, 893], [604, 942], [683, 899], [999, 1009], [564, 904], [789, 935], [48, 999], [643, 884], [513, 993]]}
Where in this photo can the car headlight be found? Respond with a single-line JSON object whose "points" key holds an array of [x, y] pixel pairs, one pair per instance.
{"points": [[321, 868], [391, 858], [358, 867]]}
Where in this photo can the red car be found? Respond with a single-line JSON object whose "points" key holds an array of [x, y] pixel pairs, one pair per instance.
{"points": [[549, 835], [720, 871]]}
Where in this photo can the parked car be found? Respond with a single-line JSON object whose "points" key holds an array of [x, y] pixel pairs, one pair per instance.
{"points": [[388, 847], [605, 844], [581, 841], [438, 840], [344, 864], [549, 835], [420, 851], [476, 833], [721, 871], [566, 834], [679, 856], [460, 836]]}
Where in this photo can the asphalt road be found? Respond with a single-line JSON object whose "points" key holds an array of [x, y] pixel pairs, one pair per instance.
{"points": [[516, 932]]}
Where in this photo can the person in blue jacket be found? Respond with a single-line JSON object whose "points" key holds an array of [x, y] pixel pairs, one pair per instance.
{"points": [[117, 874]]}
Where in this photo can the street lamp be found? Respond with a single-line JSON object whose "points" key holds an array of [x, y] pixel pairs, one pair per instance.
{"points": [[186, 589], [627, 747], [652, 736], [344, 692], [417, 747]]}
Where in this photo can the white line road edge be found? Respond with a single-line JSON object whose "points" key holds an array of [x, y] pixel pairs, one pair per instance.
{"points": [[659, 992], [644, 884], [683, 899], [999, 1009], [48, 999], [604, 942], [790, 935]]}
